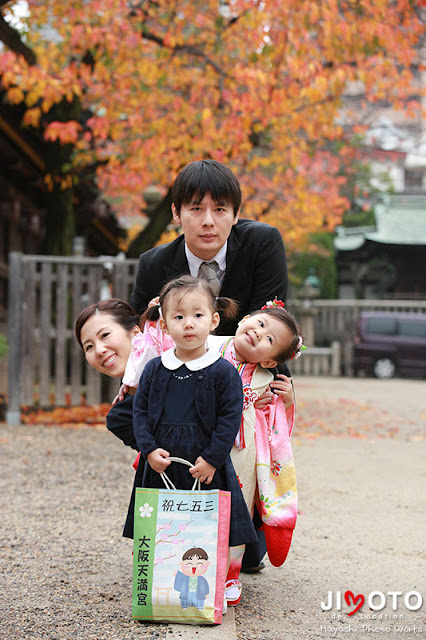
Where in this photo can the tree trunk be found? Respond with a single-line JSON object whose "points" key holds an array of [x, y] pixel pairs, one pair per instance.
{"points": [[59, 223], [159, 219], [60, 218]]}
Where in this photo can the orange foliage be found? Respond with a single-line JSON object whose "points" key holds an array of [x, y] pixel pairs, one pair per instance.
{"points": [[86, 415], [258, 85]]}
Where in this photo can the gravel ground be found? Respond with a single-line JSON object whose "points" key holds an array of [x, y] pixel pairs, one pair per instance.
{"points": [[360, 457]]}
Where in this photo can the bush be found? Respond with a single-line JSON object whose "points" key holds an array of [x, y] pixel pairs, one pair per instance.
{"points": [[320, 258], [3, 345]]}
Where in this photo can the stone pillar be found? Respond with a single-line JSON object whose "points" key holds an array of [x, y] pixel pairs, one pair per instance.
{"points": [[307, 313]]}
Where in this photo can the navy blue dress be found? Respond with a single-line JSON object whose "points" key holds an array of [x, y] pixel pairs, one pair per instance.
{"points": [[183, 434]]}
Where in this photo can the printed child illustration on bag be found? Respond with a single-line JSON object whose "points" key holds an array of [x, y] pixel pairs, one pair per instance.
{"points": [[189, 580]]}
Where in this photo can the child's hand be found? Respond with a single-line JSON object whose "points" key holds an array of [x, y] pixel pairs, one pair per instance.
{"points": [[122, 392], [158, 461], [284, 389], [202, 470], [264, 400], [154, 302]]}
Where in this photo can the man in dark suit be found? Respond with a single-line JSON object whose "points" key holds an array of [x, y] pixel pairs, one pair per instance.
{"points": [[250, 258], [245, 259]]}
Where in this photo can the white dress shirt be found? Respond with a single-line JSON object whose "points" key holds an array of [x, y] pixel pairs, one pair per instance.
{"points": [[194, 261]]}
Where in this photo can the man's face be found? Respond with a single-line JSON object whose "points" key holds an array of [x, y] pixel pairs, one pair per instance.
{"points": [[206, 225], [194, 566]]}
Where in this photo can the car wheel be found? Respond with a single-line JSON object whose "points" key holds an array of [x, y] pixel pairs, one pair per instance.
{"points": [[384, 368]]}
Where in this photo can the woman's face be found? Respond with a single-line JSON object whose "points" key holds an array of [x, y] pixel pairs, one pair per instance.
{"points": [[107, 344]]}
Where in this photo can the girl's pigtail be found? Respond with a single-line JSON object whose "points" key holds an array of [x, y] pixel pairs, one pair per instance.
{"points": [[227, 307], [152, 314]]}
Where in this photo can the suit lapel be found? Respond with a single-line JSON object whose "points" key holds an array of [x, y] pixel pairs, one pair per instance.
{"points": [[231, 255], [179, 263]]}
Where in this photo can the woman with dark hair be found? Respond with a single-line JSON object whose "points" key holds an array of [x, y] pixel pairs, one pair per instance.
{"points": [[104, 331]]}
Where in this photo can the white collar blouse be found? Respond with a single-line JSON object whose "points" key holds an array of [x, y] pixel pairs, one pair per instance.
{"points": [[171, 362]]}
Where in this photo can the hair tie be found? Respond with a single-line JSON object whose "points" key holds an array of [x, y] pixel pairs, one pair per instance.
{"points": [[273, 303], [298, 351], [159, 310]]}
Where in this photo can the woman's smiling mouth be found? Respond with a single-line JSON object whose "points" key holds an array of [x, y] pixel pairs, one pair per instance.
{"points": [[109, 361]]}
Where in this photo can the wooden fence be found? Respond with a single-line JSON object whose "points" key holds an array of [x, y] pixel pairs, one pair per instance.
{"points": [[46, 294]]}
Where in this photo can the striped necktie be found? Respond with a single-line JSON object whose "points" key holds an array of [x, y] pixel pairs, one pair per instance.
{"points": [[209, 271]]}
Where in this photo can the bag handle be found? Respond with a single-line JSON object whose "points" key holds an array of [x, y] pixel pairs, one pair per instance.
{"points": [[169, 484]]}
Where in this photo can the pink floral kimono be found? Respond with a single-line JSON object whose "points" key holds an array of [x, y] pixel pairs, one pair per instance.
{"points": [[146, 344], [263, 457]]}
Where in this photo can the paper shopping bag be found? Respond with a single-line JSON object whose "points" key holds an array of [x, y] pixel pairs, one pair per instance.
{"points": [[180, 553]]}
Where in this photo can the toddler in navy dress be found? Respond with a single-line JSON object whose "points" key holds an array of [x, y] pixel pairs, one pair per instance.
{"points": [[189, 403]]}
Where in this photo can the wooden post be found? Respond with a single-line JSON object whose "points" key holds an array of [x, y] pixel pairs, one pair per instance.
{"points": [[13, 413]]}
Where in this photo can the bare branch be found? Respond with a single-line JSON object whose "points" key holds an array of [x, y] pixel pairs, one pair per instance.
{"points": [[12, 40], [185, 48]]}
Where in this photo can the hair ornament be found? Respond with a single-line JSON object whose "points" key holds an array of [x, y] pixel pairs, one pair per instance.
{"points": [[273, 303], [298, 351], [159, 310]]}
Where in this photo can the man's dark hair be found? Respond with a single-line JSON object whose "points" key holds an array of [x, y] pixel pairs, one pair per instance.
{"points": [[206, 176]]}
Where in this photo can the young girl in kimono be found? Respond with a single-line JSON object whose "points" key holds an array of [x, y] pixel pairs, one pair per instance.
{"points": [[262, 454], [188, 403]]}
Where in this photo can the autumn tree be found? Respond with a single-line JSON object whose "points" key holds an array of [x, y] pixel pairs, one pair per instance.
{"points": [[261, 85]]}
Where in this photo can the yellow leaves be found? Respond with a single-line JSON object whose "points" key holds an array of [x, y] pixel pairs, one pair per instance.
{"points": [[34, 95], [178, 81], [53, 181], [48, 181], [8, 77], [32, 117], [15, 95], [206, 115], [169, 40], [320, 85]]}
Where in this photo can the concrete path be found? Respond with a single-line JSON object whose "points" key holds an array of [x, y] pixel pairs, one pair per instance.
{"points": [[360, 453], [226, 631]]}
